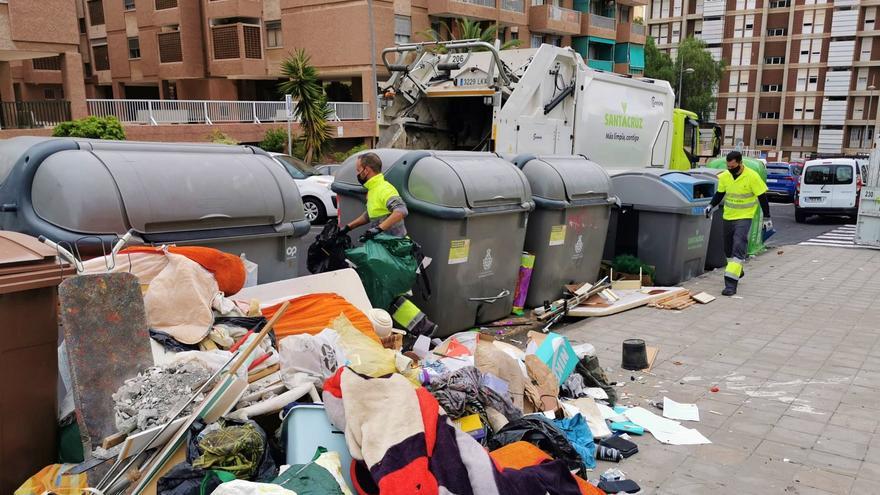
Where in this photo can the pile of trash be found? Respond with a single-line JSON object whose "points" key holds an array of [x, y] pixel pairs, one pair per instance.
{"points": [[288, 388]]}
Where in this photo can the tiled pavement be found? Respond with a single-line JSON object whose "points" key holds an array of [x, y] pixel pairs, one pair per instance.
{"points": [[796, 357]]}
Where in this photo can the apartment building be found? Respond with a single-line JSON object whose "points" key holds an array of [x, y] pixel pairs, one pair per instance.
{"points": [[231, 50], [802, 75]]}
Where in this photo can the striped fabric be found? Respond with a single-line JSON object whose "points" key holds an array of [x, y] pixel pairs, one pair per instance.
{"points": [[410, 447]]}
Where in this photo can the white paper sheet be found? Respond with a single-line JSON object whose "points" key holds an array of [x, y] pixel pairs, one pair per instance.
{"points": [[679, 411], [597, 393], [665, 430]]}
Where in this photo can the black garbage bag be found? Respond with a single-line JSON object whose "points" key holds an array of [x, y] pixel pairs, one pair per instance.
{"points": [[540, 431], [241, 448], [327, 253], [184, 479]]}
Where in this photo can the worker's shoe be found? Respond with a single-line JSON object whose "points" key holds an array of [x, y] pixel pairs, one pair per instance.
{"points": [[728, 291]]}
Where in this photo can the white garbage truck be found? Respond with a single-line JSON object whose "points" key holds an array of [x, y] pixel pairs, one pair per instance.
{"points": [[468, 95]]}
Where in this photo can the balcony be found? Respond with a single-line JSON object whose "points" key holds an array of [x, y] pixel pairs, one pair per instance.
{"points": [[221, 9], [633, 3], [631, 33], [237, 49], [513, 12], [33, 114], [554, 20], [606, 65], [599, 26], [483, 10]]}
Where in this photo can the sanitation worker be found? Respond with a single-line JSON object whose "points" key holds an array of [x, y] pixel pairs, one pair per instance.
{"points": [[742, 190], [385, 208]]}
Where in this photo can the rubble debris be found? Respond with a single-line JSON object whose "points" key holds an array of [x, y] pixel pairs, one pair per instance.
{"points": [[144, 401]]}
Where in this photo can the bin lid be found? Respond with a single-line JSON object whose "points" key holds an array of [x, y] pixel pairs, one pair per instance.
{"points": [[111, 188], [565, 177], [26, 263], [463, 179], [662, 190]]}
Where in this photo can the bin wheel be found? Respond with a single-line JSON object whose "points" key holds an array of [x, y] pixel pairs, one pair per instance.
{"points": [[799, 216], [314, 210]]}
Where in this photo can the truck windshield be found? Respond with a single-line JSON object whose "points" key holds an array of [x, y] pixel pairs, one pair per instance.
{"points": [[691, 131]]}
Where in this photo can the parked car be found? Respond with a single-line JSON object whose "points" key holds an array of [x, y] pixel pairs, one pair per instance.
{"points": [[319, 202], [828, 187], [781, 181]]}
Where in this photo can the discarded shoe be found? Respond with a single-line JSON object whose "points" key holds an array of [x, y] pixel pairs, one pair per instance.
{"points": [[728, 292], [604, 453]]}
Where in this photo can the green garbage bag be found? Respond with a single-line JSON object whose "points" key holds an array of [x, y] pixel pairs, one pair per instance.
{"points": [[387, 266], [756, 238]]}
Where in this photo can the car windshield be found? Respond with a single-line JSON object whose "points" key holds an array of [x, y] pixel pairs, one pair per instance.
{"points": [[301, 168], [829, 174], [778, 170]]}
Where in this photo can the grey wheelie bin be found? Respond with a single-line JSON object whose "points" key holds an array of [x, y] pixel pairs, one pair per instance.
{"points": [[661, 221], [567, 229], [351, 196], [715, 254], [84, 193]]}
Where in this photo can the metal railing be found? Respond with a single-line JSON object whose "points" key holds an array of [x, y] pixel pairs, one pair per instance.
{"points": [[156, 112], [33, 114], [602, 22], [484, 3], [564, 15], [513, 5], [638, 29]]}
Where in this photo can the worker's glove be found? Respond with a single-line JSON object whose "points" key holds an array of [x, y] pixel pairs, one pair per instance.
{"points": [[344, 230], [768, 224], [369, 234], [708, 211]]}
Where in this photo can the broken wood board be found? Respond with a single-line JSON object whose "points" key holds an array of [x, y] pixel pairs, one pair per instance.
{"points": [[105, 333], [651, 353], [703, 297], [263, 373], [674, 301], [628, 300], [138, 441]]}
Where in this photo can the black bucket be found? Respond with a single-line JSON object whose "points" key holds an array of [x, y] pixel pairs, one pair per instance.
{"points": [[635, 355]]}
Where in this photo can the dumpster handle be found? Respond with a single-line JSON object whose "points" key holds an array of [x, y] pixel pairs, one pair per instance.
{"points": [[490, 300]]}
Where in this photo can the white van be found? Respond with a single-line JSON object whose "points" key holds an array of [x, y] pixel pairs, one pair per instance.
{"points": [[829, 187]]}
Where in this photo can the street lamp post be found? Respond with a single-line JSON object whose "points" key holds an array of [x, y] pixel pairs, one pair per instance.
{"points": [[680, 76]]}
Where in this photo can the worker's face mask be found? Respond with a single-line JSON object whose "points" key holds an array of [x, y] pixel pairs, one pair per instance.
{"points": [[733, 165], [361, 177]]}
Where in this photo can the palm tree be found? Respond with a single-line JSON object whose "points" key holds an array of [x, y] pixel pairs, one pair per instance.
{"points": [[311, 103], [470, 30]]}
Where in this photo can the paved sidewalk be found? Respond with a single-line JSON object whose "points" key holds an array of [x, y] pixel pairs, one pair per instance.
{"points": [[797, 359]]}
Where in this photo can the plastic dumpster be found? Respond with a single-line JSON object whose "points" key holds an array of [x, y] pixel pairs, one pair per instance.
{"points": [[567, 229], [86, 192], [468, 211], [715, 257], [756, 238], [29, 276], [351, 196], [661, 221]]}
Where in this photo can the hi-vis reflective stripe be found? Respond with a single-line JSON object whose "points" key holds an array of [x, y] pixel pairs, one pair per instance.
{"points": [[741, 196], [734, 268], [732, 204]]}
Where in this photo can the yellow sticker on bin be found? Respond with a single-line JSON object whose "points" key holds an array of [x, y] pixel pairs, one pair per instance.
{"points": [[459, 250], [557, 235]]}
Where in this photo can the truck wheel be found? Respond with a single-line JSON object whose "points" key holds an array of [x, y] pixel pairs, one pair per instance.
{"points": [[799, 216], [315, 211]]}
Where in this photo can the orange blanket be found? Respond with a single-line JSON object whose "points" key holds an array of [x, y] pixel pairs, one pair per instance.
{"points": [[227, 269], [518, 455], [312, 313]]}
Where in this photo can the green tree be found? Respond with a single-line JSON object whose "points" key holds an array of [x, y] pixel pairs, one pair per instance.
{"points": [[467, 29], [697, 87], [274, 140], [91, 127], [311, 103]]}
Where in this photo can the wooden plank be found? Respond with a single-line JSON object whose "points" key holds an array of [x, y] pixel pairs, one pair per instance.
{"points": [[652, 356], [113, 440], [263, 373]]}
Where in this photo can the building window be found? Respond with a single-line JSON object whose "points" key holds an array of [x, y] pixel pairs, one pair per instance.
{"points": [[774, 60], [169, 47], [537, 40], [165, 4], [776, 32], [53, 93], [225, 40], [253, 45], [96, 12], [87, 69], [771, 88], [776, 4], [128, 4], [402, 29], [767, 141], [101, 57], [134, 47], [273, 34], [769, 115], [82, 25], [47, 63]]}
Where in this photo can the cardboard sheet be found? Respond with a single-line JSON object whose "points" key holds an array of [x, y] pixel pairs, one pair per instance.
{"points": [[629, 299]]}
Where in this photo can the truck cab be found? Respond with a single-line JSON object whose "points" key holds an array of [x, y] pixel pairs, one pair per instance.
{"points": [[692, 140]]}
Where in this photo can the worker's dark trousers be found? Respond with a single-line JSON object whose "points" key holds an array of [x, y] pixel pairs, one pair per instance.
{"points": [[736, 248]]}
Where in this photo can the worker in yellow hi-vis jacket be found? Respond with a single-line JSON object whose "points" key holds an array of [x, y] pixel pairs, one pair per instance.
{"points": [[385, 208], [742, 190]]}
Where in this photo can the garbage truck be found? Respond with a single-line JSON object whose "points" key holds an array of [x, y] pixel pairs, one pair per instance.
{"points": [[469, 95]]}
